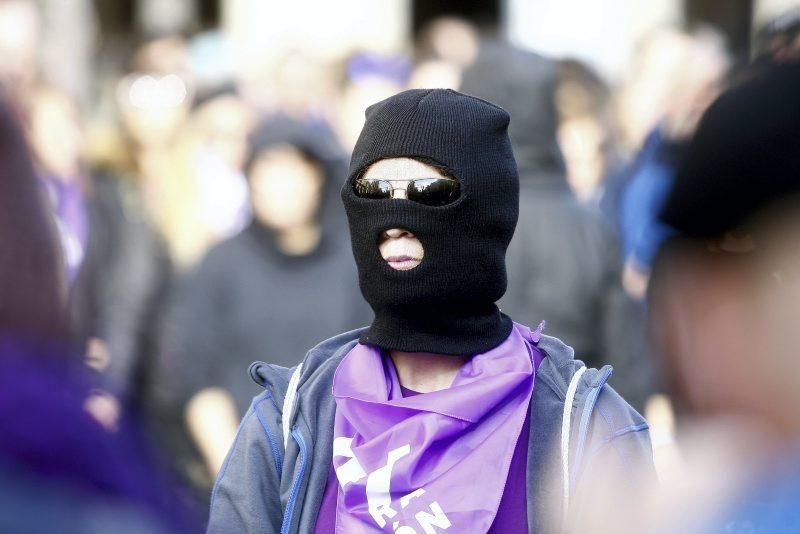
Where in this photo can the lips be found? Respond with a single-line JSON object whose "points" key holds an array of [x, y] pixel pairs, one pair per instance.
{"points": [[403, 263]]}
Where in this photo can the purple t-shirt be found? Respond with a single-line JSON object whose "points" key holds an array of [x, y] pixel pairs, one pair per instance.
{"points": [[512, 513]]}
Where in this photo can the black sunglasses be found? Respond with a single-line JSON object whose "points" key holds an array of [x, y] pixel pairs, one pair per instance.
{"points": [[428, 191]]}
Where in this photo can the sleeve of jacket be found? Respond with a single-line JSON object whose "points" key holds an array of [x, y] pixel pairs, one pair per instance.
{"points": [[246, 494], [617, 470]]}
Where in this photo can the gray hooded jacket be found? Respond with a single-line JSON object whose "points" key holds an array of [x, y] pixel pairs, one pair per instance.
{"points": [[276, 471]]}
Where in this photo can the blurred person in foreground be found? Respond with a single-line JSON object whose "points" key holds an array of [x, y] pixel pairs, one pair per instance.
{"points": [[282, 284], [563, 263], [60, 467], [724, 299], [428, 417]]}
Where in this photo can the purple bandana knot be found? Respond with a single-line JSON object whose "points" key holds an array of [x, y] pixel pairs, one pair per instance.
{"points": [[439, 460]]}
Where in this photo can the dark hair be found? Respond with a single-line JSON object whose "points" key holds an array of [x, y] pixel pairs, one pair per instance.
{"points": [[778, 33], [31, 271]]}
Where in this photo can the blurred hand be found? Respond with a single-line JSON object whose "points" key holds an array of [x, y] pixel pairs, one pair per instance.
{"points": [[97, 354], [635, 280], [212, 420], [104, 408]]}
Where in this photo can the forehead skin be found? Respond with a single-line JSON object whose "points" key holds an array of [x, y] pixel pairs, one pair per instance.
{"points": [[400, 169]]}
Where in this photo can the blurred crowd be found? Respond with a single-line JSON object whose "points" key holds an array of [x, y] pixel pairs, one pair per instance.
{"points": [[184, 222]]}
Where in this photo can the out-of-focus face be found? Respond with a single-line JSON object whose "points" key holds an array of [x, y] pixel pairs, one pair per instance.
{"points": [[20, 29], [581, 140], [726, 324], [55, 133], [224, 124], [400, 248], [286, 188]]}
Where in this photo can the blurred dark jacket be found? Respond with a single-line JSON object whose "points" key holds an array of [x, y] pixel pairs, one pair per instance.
{"points": [[117, 296], [248, 301], [563, 262]]}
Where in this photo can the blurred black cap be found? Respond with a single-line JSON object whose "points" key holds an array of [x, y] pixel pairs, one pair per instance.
{"points": [[744, 157]]}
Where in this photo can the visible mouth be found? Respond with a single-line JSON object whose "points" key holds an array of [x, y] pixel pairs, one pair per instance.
{"points": [[403, 263]]}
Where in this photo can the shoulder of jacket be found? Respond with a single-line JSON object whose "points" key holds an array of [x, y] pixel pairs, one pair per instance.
{"points": [[276, 378], [618, 417]]}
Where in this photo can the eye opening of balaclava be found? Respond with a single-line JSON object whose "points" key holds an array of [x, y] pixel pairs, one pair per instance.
{"points": [[442, 172], [447, 303]]}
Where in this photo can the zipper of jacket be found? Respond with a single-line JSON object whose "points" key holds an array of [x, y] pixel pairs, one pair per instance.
{"points": [[591, 401], [287, 515], [276, 452]]}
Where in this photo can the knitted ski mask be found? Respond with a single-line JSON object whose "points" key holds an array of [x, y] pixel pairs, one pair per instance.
{"points": [[447, 303]]}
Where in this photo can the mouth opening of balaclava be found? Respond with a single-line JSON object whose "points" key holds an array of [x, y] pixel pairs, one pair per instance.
{"points": [[446, 304]]}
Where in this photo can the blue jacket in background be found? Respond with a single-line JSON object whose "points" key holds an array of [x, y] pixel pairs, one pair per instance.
{"points": [[652, 176]]}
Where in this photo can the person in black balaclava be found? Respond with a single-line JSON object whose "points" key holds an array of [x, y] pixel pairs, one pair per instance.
{"points": [[446, 304], [385, 428]]}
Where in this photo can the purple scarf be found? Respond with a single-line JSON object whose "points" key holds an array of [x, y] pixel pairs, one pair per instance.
{"points": [[441, 459]]}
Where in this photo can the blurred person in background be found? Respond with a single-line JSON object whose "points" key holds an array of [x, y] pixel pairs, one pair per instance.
{"points": [[60, 465], [177, 162], [210, 190], [563, 263], [369, 78], [645, 93], [428, 417], [154, 101], [444, 48], [20, 34], [282, 284], [588, 134], [585, 130], [115, 265], [703, 65], [450, 39]]}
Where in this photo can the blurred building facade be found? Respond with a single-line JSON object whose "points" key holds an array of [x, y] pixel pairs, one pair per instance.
{"points": [[604, 34]]}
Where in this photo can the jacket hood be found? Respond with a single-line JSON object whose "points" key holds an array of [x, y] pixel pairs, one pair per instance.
{"points": [[523, 83], [557, 369], [318, 143]]}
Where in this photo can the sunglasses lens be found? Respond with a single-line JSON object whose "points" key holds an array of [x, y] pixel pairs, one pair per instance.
{"points": [[433, 191], [373, 189]]}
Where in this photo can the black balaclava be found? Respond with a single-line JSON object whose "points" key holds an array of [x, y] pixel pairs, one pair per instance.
{"points": [[446, 304]]}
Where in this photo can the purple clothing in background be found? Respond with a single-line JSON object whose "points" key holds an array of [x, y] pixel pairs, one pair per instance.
{"points": [[69, 208]]}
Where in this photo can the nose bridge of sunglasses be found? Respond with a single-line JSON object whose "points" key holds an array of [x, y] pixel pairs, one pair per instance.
{"points": [[399, 188]]}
